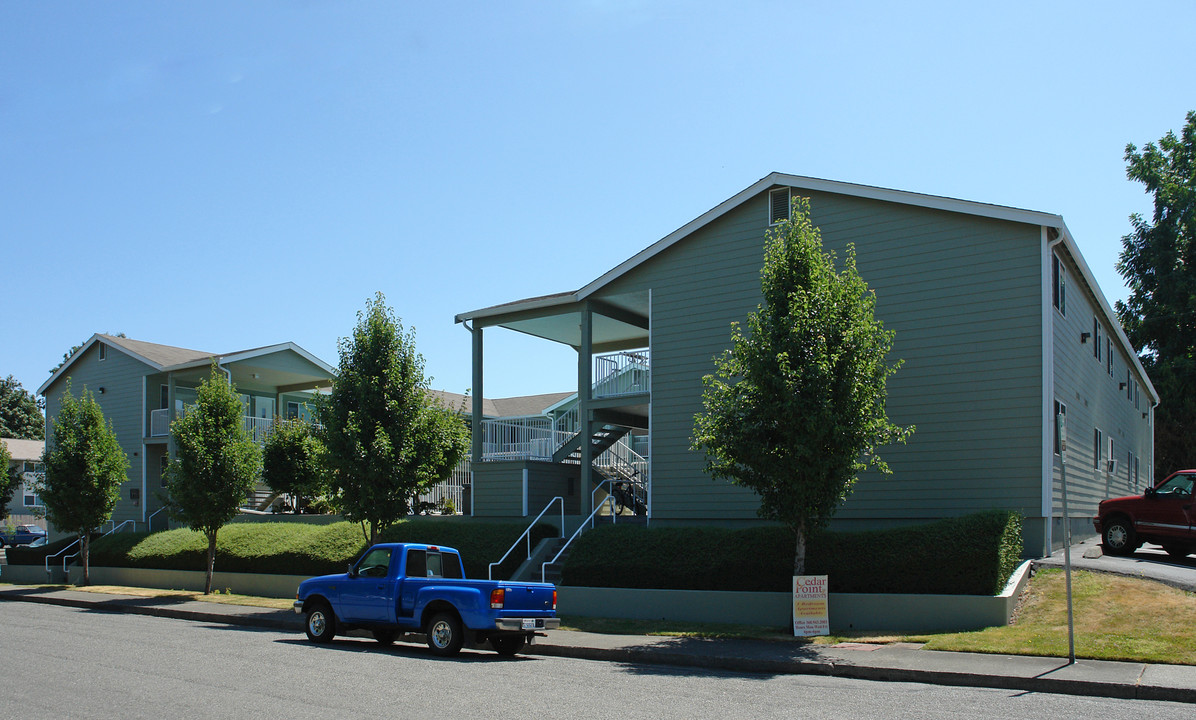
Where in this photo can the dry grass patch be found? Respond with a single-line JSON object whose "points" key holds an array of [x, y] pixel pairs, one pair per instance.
{"points": [[1116, 618], [217, 596]]}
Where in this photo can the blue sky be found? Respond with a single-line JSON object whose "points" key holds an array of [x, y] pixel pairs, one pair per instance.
{"points": [[226, 175]]}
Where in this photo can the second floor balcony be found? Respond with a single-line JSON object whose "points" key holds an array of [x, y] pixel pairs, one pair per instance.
{"points": [[258, 428]]}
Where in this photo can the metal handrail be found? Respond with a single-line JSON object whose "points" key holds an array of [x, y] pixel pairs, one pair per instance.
{"points": [[580, 528], [610, 494], [151, 517], [66, 559], [528, 533]]}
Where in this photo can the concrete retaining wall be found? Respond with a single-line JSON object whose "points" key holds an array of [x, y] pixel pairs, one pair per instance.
{"points": [[848, 611], [274, 586]]}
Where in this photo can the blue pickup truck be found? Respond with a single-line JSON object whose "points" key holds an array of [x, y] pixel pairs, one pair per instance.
{"points": [[397, 588]]}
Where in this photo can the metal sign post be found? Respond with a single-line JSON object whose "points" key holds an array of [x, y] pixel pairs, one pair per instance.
{"points": [[1061, 428]]}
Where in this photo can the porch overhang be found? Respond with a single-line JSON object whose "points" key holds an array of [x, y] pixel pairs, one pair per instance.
{"points": [[619, 322]]}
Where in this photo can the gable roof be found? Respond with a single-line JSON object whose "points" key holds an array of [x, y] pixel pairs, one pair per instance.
{"points": [[519, 406], [775, 179], [545, 304], [165, 358]]}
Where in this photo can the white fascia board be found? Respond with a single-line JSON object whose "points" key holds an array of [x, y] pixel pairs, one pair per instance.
{"points": [[518, 306], [1106, 309], [281, 347], [257, 352], [80, 352], [800, 182]]}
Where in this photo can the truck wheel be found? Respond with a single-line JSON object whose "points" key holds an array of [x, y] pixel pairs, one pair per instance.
{"points": [[386, 637], [1119, 537], [507, 645], [321, 623], [445, 635]]}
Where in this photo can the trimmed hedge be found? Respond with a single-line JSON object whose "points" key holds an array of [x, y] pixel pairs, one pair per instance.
{"points": [[281, 548], [971, 555]]}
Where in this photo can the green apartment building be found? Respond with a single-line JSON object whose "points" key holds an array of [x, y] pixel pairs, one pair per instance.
{"points": [[997, 316], [142, 386]]}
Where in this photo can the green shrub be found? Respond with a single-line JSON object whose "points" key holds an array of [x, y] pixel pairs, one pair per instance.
{"points": [[972, 555], [298, 548]]}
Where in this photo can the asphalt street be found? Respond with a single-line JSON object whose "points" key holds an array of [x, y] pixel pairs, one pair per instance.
{"points": [[80, 663]]}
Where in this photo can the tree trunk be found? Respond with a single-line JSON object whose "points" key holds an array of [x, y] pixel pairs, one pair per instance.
{"points": [[799, 556], [86, 553], [207, 585]]}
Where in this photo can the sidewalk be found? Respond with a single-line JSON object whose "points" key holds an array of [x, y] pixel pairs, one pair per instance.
{"points": [[895, 662]]}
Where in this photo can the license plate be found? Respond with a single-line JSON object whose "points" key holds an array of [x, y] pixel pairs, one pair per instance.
{"points": [[531, 624]]}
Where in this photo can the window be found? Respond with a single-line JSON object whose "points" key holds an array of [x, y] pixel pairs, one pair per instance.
{"points": [[103, 351], [1112, 468], [1137, 396], [778, 205], [164, 397], [376, 563], [31, 500], [292, 411], [417, 563], [1060, 409], [1129, 468], [163, 462], [452, 566], [1136, 476], [1098, 439], [1109, 355], [1058, 285], [1097, 343], [31, 466], [1129, 385]]}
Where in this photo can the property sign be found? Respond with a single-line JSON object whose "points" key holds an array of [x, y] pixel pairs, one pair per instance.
{"points": [[810, 616]]}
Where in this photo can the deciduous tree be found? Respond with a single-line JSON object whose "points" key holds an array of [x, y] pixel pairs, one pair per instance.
{"points": [[84, 468], [795, 409], [386, 438], [1158, 262], [20, 412], [291, 460], [216, 462], [9, 480]]}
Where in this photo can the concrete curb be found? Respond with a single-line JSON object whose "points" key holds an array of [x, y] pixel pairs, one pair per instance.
{"points": [[1057, 686], [654, 656]]}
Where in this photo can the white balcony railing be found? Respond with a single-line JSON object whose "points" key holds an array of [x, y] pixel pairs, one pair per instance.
{"points": [[258, 428], [526, 438], [621, 373]]}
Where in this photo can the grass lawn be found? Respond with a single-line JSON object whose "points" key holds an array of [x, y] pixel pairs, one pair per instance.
{"points": [[1116, 618]]}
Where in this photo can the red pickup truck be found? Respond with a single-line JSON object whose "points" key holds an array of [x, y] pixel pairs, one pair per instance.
{"points": [[1163, 515]]}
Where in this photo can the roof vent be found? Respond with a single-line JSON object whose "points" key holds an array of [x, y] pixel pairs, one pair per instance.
{"points": [[778, 206]]}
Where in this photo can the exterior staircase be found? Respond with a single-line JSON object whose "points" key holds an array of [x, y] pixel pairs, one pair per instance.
{"points": [[601, 441]]}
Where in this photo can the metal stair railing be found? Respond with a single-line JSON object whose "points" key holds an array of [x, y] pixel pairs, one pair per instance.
{"points": [[544, 567], [66, 560], [528, 534], [149, 520]]}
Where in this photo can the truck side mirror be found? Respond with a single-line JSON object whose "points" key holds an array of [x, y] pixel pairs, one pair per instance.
{"points": [[351, 571], [1150, 492]]}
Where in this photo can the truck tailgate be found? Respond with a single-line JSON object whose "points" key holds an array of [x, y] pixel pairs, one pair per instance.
{"points": [[530, 599]]}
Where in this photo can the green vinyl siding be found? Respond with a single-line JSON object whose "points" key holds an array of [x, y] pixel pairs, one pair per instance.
{"points": [[964, 297], [1095, 400], [122, 377]]}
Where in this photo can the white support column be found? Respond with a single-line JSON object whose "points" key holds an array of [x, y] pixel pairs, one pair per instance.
{"points": [[585, 382]]}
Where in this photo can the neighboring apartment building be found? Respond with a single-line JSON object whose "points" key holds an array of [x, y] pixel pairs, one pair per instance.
{"points": [[143, 386], [999, 321], [26, 459]]}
